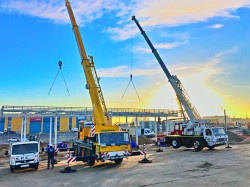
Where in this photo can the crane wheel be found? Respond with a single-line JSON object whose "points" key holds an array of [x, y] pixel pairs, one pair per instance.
{"points": [[197, 146], [91, 162], [175, 144], [118, 161]]}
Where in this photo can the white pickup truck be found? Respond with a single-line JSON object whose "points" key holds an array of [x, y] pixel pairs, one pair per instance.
{"points": [[24, 155]]}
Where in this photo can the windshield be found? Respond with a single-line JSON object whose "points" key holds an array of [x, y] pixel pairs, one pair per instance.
{"points": [[218, 131], [114, 138], [24, 149]]}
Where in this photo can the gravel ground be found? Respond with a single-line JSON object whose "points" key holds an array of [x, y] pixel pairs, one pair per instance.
{"points": [[172, 167]]}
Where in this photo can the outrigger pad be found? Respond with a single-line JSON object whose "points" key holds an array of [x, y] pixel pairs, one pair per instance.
{"points": [[68, 170], [145, 160], [159, 150]]}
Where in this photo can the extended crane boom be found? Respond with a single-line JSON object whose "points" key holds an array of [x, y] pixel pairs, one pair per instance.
{"points": [[99, 141], [98, 103], [181, 94]]}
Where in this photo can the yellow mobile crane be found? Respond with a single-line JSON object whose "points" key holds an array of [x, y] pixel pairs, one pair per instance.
{"points": [[106, 142]]}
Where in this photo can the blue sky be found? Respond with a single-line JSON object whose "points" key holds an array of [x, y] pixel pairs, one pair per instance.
{"points": [[205, 43]]}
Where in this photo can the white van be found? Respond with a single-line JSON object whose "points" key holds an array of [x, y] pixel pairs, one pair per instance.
{"points": [[24, 155]]}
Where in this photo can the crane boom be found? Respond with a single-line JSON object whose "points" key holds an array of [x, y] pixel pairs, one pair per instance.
{"points": [[181, 94], [97, 99]]}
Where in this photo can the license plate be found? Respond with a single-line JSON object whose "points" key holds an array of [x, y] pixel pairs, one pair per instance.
{"points": [[24, 166]]}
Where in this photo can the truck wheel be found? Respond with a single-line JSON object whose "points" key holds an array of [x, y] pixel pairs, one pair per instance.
{"points": [[175, 144], [118, 161], [211, 147], [11, 170], [91, 162], [197, 146], [36, 167]]}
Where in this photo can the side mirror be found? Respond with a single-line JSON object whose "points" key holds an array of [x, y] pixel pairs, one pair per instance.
{"points": [[6, 153]]}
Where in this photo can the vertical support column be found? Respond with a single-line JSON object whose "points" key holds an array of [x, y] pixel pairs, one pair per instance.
{"points": [[41, 123], [136, 131], [225, 117], [55, 129], [24, 130], [167, 125], [155, 131], [127, 123], [50, 130]]}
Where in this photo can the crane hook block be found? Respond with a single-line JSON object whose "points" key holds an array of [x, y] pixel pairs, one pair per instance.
{"points": [[60, 64]]}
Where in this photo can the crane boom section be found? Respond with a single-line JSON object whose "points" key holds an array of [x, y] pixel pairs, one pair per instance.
{"points": [[154, 51], [174, 81], [97, 99]]}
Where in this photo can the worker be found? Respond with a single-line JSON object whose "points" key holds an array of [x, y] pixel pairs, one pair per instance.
{"points": [[51, 154]]}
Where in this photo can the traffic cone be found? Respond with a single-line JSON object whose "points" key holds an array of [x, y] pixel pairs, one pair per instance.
{"points": [[159, 150], [145, 160], [68, 168]]}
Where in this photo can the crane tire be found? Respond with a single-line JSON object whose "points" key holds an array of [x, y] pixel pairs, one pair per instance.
{"points": [[197, 145], [175, 144]]}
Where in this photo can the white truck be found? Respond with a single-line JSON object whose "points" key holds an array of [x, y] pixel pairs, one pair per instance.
{"points": [[198, 137], [193, 131], [24, 155], [148, 133]]}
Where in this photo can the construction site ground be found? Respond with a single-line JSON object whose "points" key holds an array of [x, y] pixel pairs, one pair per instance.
{"points": [[172, 167]]}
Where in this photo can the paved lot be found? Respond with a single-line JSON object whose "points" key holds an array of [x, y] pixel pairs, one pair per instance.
{"points": [[181, 167]]}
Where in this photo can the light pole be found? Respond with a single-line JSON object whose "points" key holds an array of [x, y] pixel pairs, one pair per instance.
{"points": [[225, 117]]}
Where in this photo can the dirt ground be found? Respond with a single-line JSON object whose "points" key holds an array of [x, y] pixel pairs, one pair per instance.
{"points": [[172, 167]]}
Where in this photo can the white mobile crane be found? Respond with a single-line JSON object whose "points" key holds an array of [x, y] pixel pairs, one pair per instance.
{"points": [[193, 132], [100, 141]]}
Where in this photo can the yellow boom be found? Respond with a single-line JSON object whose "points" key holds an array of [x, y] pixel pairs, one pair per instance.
{"points": [[98, 103]]}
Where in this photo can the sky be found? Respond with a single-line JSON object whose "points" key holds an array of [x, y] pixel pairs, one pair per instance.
{"points": [[205, 43]]}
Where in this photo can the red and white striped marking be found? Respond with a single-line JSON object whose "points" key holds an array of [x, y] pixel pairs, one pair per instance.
{"points": [[126, 153], [144, 149], [141, 152], [92, 133], [57, 150], [70, 159], [104, 154]]}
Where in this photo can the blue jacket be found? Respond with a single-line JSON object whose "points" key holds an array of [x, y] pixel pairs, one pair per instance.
{"points": [[51, 152]]}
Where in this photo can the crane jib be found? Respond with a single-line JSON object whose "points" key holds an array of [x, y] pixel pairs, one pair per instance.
{"points": [[154, 51]]}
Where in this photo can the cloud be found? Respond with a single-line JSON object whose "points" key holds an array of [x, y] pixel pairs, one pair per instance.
{"points": [[55, 10], [44, 9], [120, 34], [178, 12], [216, 26], [162, 46], [149, 13], [124, 71], [181, 12]]}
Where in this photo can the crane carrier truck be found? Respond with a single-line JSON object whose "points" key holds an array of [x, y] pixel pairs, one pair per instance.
{"points": [[194, 132], [101, 141]]}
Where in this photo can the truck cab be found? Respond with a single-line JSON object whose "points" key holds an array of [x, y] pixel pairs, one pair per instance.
{"points": [[24, 155], [215, 136]]}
